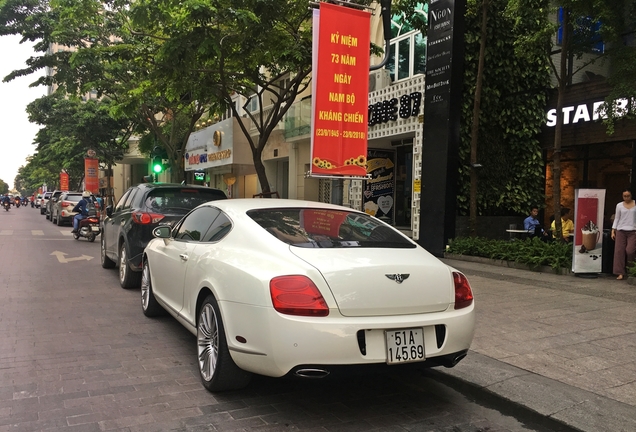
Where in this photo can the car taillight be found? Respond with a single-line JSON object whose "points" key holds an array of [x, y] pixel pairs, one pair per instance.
{"points": [[297, 295], [463, 292], [144, 218]]}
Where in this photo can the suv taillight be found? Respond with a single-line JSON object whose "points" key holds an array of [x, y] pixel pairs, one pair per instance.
{"points": [[297, 295], [463, 292], [144, 218]]}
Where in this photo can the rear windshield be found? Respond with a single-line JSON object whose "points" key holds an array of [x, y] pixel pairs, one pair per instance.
{"points": [[174, 200], [322, 228], [74, 198], [47, 195]]}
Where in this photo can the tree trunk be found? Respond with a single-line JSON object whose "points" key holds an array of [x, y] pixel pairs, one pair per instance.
{"points": [[474, 135], [556, 156], [177, 173], [257, 155]]}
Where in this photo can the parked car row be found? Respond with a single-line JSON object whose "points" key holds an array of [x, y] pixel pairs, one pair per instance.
{"points": [[284, 287], [57, 206]]}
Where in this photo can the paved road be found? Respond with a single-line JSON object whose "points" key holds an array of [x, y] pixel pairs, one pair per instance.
{"points": [[77, 354]]}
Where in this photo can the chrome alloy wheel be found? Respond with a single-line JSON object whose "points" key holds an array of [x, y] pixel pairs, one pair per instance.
{"points": [[208, 342], [123, 266], [145, 286]]}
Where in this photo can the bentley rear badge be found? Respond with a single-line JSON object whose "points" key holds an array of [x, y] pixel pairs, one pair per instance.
{"points": [[398, 278]]}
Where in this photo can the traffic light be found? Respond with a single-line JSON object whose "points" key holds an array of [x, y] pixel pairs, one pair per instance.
{"points": [[157, 165]]}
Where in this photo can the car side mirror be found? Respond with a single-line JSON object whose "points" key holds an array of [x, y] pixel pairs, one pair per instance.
{"points": [[109, 210], [162, 231]]}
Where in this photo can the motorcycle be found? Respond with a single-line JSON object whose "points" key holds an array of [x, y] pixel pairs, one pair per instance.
{"points": [[88, 228], [6, 205], [17, 204]]}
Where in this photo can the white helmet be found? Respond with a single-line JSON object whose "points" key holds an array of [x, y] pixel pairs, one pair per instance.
{"points": [[86, 194]]}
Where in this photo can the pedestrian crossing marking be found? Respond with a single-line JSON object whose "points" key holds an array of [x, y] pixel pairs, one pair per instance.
{"points": [[36, 233]]}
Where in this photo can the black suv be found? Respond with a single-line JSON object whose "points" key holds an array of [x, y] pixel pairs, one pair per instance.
{"points": [[127, 228]]}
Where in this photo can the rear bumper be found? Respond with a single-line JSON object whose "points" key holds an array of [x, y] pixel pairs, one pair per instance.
{"points": [[332, 371], [279, 345]]}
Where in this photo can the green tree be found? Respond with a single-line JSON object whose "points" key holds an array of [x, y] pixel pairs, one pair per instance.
{"points": [[106, 57], [71, 127], [254, 49], [4, 187]]}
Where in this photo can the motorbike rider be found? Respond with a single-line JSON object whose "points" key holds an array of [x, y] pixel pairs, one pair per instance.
{"points": [[81, 210], [5, 199]]}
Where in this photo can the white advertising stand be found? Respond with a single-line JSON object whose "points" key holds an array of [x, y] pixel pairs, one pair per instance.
{"points": [[587, 241]]}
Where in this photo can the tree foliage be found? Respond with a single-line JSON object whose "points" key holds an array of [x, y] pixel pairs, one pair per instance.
{"points": [[250, 48], [167, 64], [71, 127]]}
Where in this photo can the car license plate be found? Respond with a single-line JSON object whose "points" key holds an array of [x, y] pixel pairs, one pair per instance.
{"points": [[403, 346]]}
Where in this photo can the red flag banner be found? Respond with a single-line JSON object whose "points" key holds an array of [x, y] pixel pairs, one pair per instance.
{"points": [[323, 222], [339, 127], [63, 181], [91, 175]]}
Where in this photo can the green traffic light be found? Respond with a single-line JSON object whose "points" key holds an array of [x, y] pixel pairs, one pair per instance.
{"points": [[157, 165]]}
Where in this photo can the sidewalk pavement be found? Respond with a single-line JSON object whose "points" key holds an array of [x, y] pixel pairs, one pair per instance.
{"points": [[560, 345]]}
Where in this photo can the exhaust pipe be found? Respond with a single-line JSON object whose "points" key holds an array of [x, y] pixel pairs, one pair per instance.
{"points": [[453, 361], [311, 373]]}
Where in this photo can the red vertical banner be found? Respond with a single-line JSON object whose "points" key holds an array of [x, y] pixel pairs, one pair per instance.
{"points": [[341, 95], [63, 181], [91, 175]]}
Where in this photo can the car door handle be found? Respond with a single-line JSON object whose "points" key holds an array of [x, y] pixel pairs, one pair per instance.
{"points": [[184, 257]]}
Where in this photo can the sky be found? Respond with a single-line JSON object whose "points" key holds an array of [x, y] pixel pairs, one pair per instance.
{"points": [[16, 133]]}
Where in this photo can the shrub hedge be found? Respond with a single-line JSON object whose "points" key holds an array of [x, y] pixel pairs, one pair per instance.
{"points": [[532, 251]]}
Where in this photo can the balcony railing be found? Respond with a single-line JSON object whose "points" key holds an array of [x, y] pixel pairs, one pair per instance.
{"points": [[266, 112], [298, 119]]}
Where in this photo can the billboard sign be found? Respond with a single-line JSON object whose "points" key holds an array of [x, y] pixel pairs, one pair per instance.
{"points": [[588, 230]]}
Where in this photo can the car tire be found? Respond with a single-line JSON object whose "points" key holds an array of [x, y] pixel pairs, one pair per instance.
{"points": [[149, 305], [106, 262], [217, 370], [47, 216], [127, 277], [58, 220]]}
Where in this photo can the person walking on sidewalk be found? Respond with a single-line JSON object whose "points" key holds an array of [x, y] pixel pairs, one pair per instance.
{"points": [[624, 234]]}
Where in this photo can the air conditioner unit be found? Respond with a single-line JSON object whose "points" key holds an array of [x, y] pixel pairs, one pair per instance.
{"points": [[379, 79]]}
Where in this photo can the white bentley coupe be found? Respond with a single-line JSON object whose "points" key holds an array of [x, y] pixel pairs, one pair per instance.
{"points": [[297, 288]]}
